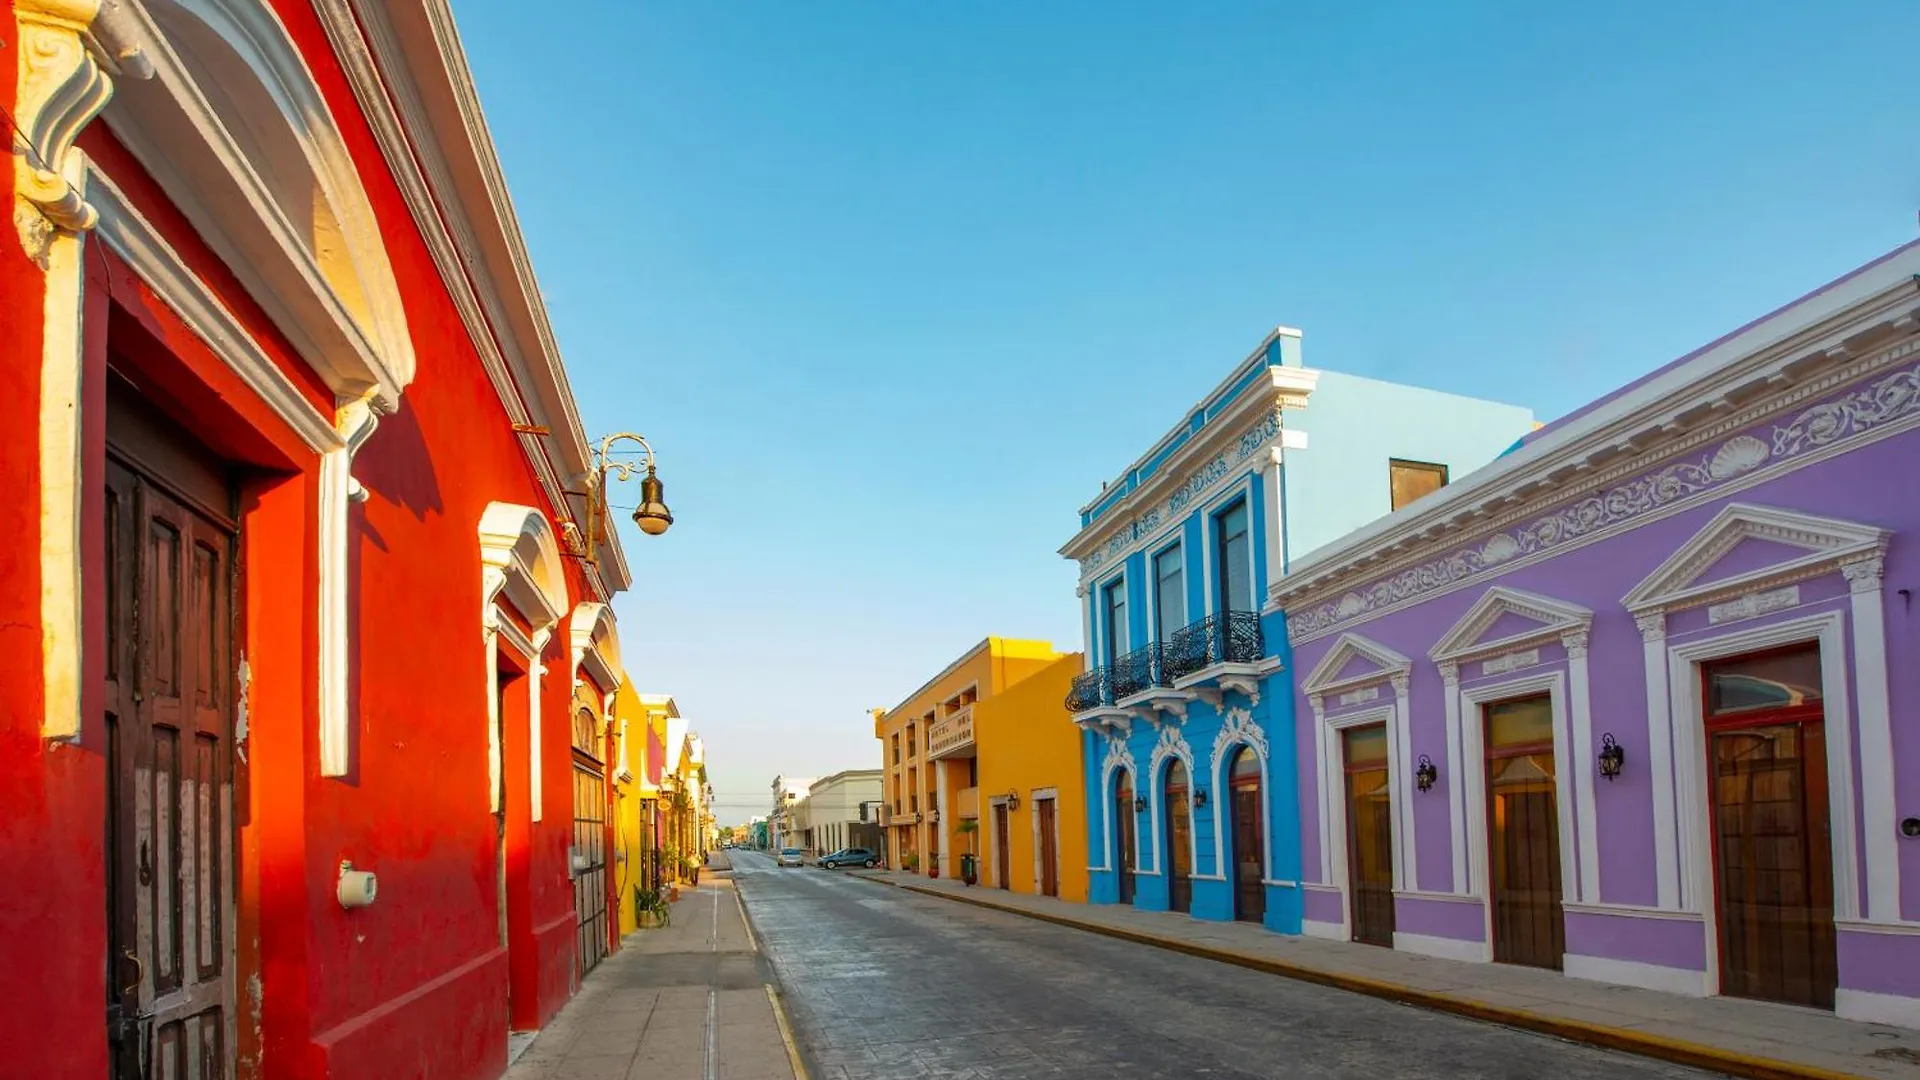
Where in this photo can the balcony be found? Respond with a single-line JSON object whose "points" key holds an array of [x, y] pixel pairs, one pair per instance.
{"points": [[1091, 702], [1226, 651], [951, 735]]}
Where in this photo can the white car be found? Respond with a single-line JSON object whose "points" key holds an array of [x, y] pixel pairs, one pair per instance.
{"points": [[789, 856]]}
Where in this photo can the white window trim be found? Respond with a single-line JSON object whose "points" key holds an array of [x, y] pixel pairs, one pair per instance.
{"points": [[1474, 783], [1101, 591], [1171, 746], [1179, 548], [1240, 491], [1571, 625], [1323, 682], [1854, 550], [1033, 814], [1119, 757]]}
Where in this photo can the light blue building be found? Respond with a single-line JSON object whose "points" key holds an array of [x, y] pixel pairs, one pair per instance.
{"points": [[1192, 758]]}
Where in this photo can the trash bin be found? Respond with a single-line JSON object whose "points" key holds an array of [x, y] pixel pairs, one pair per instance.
{"points": [[969, 869]]}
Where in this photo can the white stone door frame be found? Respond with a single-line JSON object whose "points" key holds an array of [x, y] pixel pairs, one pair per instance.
{"points": [[1331, 754], [1473, 781]]}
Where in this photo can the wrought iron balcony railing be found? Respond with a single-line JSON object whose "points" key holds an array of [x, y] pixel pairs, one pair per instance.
{"points": [[1224, 637], [1091, 689], [1142, 669]]}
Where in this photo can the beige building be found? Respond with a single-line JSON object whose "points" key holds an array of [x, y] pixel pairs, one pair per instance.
{"points": [[827, 819]]}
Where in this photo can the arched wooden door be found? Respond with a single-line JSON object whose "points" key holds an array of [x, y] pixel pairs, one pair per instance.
{"points": [[1177, 826], [1249, 838], [1772, 842], [1123, 834]]}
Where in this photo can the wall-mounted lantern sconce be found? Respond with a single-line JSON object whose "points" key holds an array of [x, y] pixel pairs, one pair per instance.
{"points": [[652, 515], [1612, 756], [1199, 798], [1013, 801], [1139, 804], [1425, 775]]}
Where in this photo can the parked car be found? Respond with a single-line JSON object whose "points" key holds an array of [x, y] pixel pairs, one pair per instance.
{"points": [[853, 856], [789, 856]]}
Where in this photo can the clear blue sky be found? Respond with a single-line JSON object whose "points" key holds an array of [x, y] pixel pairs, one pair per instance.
{"points": [[893, 287]]}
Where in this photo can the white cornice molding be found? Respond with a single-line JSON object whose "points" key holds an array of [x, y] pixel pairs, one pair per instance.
{"points": [[1827, 543], [1839, 335], [249, 183], [505, 325], [1254, 420]]}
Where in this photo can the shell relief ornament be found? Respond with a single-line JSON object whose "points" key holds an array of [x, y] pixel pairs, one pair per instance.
{"points": [[1737, 455]]}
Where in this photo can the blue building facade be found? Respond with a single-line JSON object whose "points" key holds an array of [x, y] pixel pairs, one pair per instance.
{"points": [[1186, 706]]}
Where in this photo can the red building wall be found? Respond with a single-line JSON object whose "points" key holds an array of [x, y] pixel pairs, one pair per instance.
{"points": [[417, 984]]}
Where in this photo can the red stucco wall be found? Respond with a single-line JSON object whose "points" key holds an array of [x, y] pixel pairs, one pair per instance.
{"points": [[418, 983]]}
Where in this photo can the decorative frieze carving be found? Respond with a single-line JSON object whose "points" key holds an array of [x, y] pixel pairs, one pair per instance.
{"points": [[1575, 642], [1264, 431], [1892, 397], [1746, 607], [1863, 576], [1512, 661], [1653, 626], [1355, 697]]}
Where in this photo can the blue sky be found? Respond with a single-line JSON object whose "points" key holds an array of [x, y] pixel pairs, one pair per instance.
{"points": [[893, 287]]}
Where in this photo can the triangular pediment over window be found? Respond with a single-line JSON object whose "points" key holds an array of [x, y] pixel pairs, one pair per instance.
{"points": [[1746, 548], [1354, 659], [1505, 618]]}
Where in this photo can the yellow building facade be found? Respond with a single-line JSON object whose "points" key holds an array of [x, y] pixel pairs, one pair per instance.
{"points": [[931, 757], [639, 730], [1033, 826]]}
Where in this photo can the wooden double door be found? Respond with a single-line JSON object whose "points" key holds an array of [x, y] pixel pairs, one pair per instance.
{"points": [[1523, 833], [589, 852], [169, 584], [1047, 822], [1249, 838], [1369, 834], [1772, 841], [1123, 834]]}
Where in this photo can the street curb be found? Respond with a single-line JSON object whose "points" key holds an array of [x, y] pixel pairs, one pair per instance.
{"points": [[1676, 1051]]}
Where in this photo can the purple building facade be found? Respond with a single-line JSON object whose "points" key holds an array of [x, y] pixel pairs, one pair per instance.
{"points": [[1640, 700]]}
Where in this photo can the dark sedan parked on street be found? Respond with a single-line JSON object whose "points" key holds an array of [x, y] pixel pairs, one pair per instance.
{"points": [[853, 856]]}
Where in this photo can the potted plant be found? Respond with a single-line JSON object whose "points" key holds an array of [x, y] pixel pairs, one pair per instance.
{"points": [[650, 908], [910, 863], [969, 866]]}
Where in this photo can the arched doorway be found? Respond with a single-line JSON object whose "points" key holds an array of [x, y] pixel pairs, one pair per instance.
{"points": [[1249, 840], [589, 854], [1123, 834], [1177, 826]]}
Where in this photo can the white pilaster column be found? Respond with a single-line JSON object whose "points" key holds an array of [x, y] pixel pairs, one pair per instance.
{"points": [[494, 750], [1660, 738], [1276, 524], [1874, 723], [1400, 776], [1326, 772], [1456, 778], [536, 667], [1580, 705]]}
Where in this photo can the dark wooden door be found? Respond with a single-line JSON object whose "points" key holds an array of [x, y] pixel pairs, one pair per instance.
{"points": [[1773, 856], [1049, 847], [1369, 834], [1002, 860], [169, 589], [1178, 827], [1123, 813], [589, 852], [1249, 842], [1523, 824]]}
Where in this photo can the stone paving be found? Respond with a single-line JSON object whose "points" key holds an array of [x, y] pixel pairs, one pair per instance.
{"points": [[1808, 1040], [886, 984], [688, 1001]]}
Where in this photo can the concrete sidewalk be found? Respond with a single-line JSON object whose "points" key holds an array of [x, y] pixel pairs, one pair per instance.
{"points": [[1741, 1038], [689, 1000]]}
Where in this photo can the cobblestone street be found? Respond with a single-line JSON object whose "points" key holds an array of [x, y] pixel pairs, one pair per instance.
{"points": [[884, 984]]}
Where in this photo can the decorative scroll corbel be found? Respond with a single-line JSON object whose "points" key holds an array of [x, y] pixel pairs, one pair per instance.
{"points": [[70, 52], [356, 421]]}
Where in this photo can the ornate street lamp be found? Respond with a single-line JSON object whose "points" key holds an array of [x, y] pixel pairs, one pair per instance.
{"points": [[652, 515], [1426, 774], [1612, 756]]}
